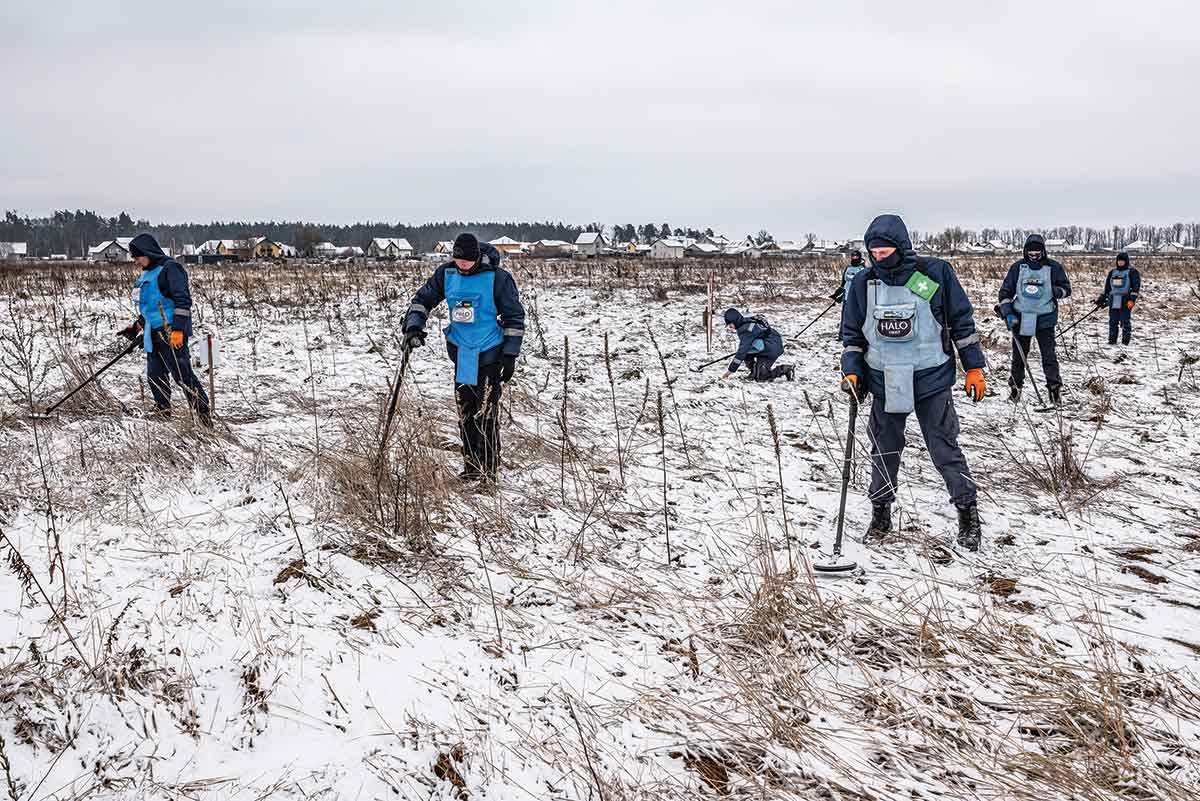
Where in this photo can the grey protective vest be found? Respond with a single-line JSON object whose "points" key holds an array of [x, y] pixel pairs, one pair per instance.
{"points": [[1035, 297], [848, 276], [903, 337], [1118, 284]]}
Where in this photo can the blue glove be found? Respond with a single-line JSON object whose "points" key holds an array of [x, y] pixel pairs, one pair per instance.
{"points": [[1011, 320]]}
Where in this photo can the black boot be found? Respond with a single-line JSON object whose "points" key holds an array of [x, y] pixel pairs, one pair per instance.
{"points": [[789, 372], [881, 523], [1014, 394], [469, 474], [1055, 395], [970, 535]]}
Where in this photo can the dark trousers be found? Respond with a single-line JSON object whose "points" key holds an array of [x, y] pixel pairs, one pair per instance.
{"points": [[939, 426], [479, 421], [166, 363], [1120, 318], [1047, 347], [762, 368]]}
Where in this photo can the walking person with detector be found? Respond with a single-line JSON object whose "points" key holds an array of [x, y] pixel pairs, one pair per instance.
{"points": [[1029, 297], [902, 321]]}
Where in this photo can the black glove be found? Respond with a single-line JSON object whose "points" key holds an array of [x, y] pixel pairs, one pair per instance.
{"points": [[838, 294], [414, 338], [1101, 302], [508, 366], [131, 331]]}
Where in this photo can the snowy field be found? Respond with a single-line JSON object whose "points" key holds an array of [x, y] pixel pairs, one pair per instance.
{"points": [[263, 611]]}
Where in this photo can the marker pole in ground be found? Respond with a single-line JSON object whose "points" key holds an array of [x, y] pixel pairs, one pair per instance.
{"points": [[212, 381]]}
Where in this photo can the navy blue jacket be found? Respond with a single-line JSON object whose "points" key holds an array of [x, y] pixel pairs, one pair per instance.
{"points": [[949, 304], [1135, 287], [749, 332], [172, 282], [508, 304], [1058, 280]]}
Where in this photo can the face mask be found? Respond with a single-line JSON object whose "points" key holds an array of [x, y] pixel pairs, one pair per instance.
{"points": [[1034, 256], [856, 261], [890, 263]]}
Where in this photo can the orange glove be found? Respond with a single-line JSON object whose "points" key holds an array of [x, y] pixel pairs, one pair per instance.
{"points": [[849, 385], [1129, 305], [975, 386], [176, 339]]}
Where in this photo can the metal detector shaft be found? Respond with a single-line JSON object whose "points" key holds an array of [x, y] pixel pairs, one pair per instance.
{"points": [[133, 344], [813, 320], [837, 542], [391, 410], [1067, 330], [700, 367], [1028, 371]]}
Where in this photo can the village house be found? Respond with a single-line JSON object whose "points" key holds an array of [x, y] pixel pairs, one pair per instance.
{"points": [[12, 251], [671, 247], [551, 249], [1139, 246], [506, 245], [389, 248], [590, 244], [111, 250], [1174, 248], [701, 250], [265, 248]]}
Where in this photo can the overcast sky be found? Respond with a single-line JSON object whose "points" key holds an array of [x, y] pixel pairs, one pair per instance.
{"points": [[793, 116]]}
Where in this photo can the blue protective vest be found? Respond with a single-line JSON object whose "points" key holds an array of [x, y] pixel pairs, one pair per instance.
{"points": [[903, 337], [157, 309], [474, 327], [1118, 284], [848, 277], [1035, 297]]}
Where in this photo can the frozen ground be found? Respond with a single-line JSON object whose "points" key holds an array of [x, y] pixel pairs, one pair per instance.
{"points": [[257, 613]]}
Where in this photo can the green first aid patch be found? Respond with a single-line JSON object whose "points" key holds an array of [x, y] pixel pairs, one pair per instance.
{"points": [[923, 285]]}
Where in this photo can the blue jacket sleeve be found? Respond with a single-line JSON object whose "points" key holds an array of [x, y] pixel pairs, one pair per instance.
{"points": [[173, 283], [1008, 290], [1060, 281], [960, 318], [512, 313], [746, 339], [426, 300], [854, 343], [1135, 284]]}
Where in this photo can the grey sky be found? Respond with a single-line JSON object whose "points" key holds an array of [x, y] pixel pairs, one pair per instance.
{"points": [[792, 116]]}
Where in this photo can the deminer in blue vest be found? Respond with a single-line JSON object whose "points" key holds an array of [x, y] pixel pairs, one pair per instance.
{"points": [[483, 339], [852, 269], [164, 324], [759, 345], [1029, 297], [1120, 295], [900, 319]]}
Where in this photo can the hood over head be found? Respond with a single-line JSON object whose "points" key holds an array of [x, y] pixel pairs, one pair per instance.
{"points": [[146, 245], [888, 230], [734, 317], [1123, 259], [1034, 242]]}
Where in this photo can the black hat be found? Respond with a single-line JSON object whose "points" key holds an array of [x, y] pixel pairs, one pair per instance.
{"points": [[466, 246], [879, 242], [1122, 257], [734, 317]]}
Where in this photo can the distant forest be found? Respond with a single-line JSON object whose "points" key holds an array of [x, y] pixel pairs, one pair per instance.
{"points": [[72, 232]]}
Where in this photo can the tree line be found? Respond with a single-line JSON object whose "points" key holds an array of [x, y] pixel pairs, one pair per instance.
{"points": [[72, 232]]}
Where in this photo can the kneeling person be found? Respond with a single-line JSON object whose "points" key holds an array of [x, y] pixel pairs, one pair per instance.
{"points": [[759, 346], [898, 323], [487, 322]]}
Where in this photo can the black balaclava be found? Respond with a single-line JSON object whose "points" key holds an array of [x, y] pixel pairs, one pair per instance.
{"points": [[1034, 243], [856, 258], [734, 317], [1122, 260], [891, 262]]}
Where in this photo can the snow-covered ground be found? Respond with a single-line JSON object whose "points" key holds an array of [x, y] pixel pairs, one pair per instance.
{"points": [[257, 613]]}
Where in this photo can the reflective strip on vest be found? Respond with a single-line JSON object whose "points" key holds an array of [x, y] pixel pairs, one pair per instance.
{"points": [[1035, 296], [1118, 282], [903, 337], [474, 327], [157, 309]]}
